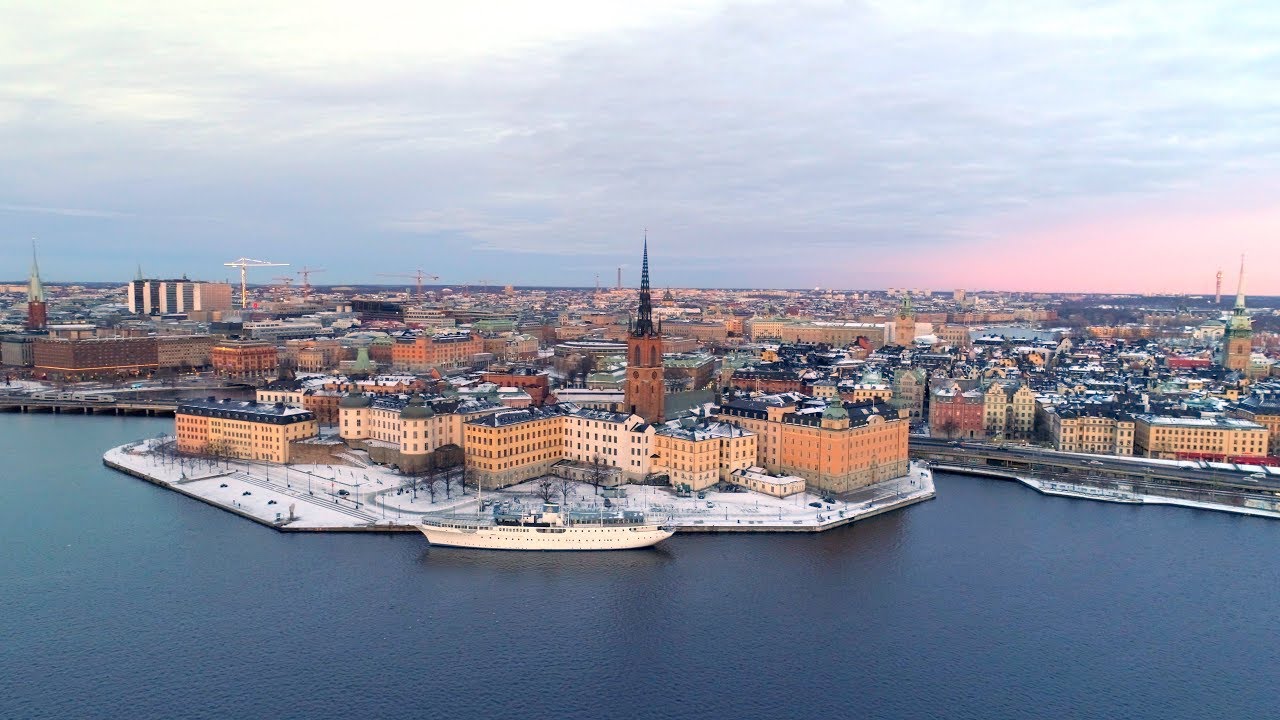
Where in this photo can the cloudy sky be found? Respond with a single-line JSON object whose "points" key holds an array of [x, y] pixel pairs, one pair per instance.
{"points": [[1044, 145]]}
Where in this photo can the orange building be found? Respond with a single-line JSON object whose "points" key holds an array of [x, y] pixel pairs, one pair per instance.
{"points": [[244, 358], [246, 430], [419, 351], [834, 447]]}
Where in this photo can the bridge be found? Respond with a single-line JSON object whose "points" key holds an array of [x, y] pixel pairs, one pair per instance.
{"points": [[1102, 472], [24, 404]]}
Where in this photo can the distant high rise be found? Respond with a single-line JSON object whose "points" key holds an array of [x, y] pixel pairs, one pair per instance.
{"points": [[1237, 341], [37, 310], [161, 297], [645, 382], [1217, 290], [958, 296]]}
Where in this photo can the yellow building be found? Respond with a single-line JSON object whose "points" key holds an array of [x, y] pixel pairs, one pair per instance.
{"points": [[759, 480], [1096, 431], [244, 430], [797, 330], [699, 454], [1202, 438], [1263, 408], [403, 431], [1009, 410], [834, 447], [511, 446]]}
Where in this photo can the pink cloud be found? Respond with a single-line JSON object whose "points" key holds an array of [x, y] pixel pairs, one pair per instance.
{"points": [[1173, 244]]}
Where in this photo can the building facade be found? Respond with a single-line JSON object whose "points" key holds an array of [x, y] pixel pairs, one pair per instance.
{"points": [[244, 359], [244, 430], [1100, 432], [834, 447], [164, 297], [1178, 438], [96, 356], [423, 351]]}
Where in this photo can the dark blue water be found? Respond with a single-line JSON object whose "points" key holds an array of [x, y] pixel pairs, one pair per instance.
{"points": [[122, 600]]}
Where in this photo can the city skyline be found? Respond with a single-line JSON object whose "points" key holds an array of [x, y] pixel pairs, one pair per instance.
{"points": [[1119, 148]]}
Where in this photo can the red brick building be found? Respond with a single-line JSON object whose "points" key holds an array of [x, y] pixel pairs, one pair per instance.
{"points": [[531, 381], [244, 358], [957, 413]]}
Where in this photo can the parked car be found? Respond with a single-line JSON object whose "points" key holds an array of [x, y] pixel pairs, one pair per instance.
{"points": [[246, 492], [816, 504]]}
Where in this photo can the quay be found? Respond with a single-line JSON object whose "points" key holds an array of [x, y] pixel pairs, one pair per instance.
{"points": [[1109, 478], [156, 408], [370, 498]]}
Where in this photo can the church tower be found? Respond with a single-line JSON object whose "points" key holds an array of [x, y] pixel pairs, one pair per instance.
{"points": [[37, 311], [1237, 342], [645, 385], [904, 326]]}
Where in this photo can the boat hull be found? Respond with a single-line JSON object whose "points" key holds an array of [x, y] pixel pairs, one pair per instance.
{"points": [[560, 538]]}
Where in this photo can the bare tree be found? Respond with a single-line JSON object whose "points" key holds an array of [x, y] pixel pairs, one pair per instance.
{"points": [[564, 487], [598, 473], [948, 427], [431, 484], [546, 488]]}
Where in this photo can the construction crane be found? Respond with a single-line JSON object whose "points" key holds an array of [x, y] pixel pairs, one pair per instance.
{"points": [[244, 264], [306, 272], [417, 276], [284, 281]]}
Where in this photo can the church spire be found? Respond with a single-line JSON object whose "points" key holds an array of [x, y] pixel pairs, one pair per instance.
{"points": [[35, 289], [644, 316], [1240, 287]]}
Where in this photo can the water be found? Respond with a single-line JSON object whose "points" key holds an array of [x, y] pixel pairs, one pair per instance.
{"points": [[123, 600]]}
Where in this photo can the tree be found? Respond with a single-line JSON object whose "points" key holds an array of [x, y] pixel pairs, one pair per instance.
{"points": [[430, 485], [564, 487], [545, 488], [598, 474], [948, 427]]}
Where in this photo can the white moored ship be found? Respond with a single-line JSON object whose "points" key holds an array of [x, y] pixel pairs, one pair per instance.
{"points": [[548, 530]]}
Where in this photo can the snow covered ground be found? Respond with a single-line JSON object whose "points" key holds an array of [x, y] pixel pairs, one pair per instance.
{"points": [[743, 511], [1123, 495], [336, 497]]}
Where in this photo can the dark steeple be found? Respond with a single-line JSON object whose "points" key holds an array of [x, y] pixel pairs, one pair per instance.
{"points": [[644, 318]]}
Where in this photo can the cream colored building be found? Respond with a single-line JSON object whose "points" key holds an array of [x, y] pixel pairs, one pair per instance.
{"points": [[406, 429], [1082, 431], [830, 332], [514, 445], [1158, 436], [1009, 410], [245, 430], [699, 454], [759, 480]]}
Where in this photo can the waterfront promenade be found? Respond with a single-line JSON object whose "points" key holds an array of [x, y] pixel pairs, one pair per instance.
{"points": [[369, 498]]}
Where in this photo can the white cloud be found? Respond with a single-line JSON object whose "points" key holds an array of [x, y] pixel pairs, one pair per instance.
{"points": [[747, 132]]}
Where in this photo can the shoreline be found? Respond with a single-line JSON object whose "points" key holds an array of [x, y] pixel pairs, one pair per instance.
{"points": [[1058, 488], [376, 511]]}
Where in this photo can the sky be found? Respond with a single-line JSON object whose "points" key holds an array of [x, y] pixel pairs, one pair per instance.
{"points": [[1044, 146]]}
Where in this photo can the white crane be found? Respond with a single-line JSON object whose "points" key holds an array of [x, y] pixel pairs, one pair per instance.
{"points": [[244, 264]]}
